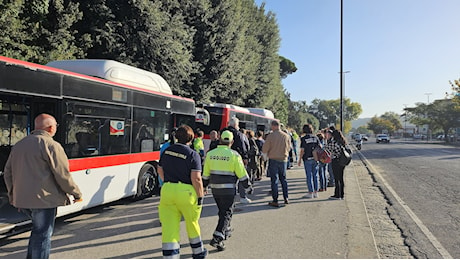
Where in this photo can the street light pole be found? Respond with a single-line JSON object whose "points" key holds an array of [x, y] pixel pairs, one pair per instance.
{"points": [[428, 136], [341, 65], [342, 97], [428, 96]]}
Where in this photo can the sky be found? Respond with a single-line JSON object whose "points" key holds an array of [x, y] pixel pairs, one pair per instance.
{"points": [[397, 52]]}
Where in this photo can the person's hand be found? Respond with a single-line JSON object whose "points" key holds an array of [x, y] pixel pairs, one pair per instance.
{"points": [[200, 201]]}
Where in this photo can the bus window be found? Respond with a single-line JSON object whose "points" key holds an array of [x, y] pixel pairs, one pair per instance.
{"points": [[184, 120], [148, 129], [96, 130], [13, 122], [13, 127]]}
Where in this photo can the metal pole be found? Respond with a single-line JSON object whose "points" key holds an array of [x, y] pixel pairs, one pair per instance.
{"points": [[341, 65]]}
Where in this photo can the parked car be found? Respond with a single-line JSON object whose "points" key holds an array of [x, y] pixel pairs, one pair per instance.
{"points": [[419, 136], [382, 138]]}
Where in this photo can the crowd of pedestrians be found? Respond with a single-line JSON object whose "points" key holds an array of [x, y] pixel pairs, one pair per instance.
{"points": [[235, 160]]}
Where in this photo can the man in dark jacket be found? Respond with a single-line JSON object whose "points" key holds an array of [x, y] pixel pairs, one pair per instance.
{"points": [[241, 145]]}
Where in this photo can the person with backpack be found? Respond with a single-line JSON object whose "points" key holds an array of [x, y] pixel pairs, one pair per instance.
{"points": [[335, 146], [308, 143]]}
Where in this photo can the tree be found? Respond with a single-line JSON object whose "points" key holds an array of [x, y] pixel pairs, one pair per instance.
{"points": [[39, 30], [363, 130], [393, 118], [441, 114], [456, 95], [208, 50], [298, 116], [379, 125], [286, 67], [328, 112]]}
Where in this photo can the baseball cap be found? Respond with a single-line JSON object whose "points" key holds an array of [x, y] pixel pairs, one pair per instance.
{"points": [[226, 136]]}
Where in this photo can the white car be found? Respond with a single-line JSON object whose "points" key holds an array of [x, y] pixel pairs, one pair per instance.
{"points": [[382, 138]]}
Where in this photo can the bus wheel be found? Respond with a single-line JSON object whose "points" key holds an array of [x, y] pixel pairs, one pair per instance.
{"points": [[147, 182]]}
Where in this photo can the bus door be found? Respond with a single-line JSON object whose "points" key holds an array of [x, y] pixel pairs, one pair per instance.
{"points": [[16, 122], [14, 125]]}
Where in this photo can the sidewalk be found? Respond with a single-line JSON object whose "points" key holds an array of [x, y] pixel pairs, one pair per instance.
{"points": [[305, 228]]}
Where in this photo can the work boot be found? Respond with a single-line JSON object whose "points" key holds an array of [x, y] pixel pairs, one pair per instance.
{"points": [[201, 255]]}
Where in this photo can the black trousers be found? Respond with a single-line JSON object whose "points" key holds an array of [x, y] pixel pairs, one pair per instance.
{"points": [[225, 204], [337, 169]]}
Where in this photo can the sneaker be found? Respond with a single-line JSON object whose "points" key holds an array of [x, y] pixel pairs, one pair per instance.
{"points": [[315, 194], [308, 196], [286, 201], [274, 204], [334, 198], [245, 200], [217, 244]]}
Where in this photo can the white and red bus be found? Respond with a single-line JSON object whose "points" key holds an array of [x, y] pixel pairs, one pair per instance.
{"points": [[112, 120], [219, 115]]}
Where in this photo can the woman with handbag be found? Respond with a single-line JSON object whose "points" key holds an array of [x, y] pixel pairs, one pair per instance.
{"points": [[335, 147]]}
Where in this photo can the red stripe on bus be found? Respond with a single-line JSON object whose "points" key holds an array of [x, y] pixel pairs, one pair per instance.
{"points": [[112, 160]]}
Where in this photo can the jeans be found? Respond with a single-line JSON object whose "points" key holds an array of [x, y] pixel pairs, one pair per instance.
{"points": [[42, 229], [338, 174], [312, 174], [331, 174], [322, 176], [277, 172]]}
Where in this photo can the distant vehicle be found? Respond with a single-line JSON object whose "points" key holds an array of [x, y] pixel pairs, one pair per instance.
{"points": [[419, 136], [382, 138]]}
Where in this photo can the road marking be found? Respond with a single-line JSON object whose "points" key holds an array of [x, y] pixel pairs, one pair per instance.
{"points": [[434, 241]]}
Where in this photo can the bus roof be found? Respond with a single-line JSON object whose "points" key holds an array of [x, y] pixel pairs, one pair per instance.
{"points": [[262, 111], [116, 72]]}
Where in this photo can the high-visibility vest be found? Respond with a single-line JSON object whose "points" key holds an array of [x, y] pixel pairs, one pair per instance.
{"points": [[223, 167]]}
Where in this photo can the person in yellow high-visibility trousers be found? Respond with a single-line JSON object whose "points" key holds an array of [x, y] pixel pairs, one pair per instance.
{"points": [[181, 195], [223, 167]]}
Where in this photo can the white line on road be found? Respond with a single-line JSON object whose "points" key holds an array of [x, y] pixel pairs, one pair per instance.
{"points": [[444, 253]]}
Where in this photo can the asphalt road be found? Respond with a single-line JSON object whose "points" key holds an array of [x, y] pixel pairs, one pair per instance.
{"points": [[425, 177], [401, 201]]}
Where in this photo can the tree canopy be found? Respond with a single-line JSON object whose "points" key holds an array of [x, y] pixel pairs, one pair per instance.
{"points": [[213, 51], [440, 115], [328, 112]]}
